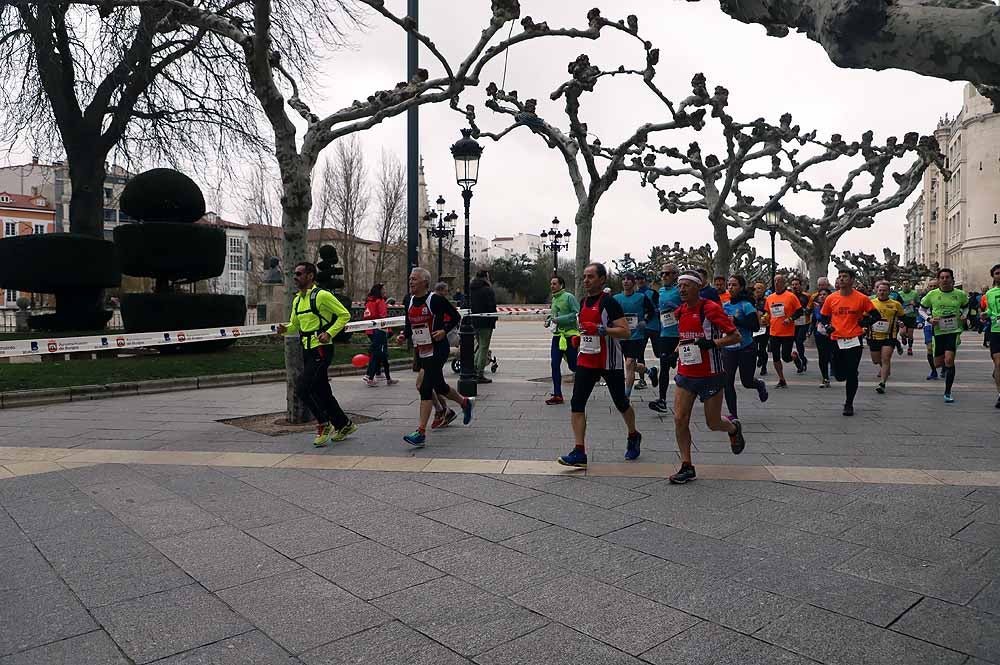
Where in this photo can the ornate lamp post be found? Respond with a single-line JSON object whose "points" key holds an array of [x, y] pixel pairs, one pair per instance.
{"points": [[771, 219], [466, 152], [445, 228], [556, 243]]}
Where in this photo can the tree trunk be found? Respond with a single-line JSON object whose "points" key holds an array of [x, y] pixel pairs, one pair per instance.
{"points": [[818, 262], [584, 226], [86, 205], [296, 202], [724, 253]]}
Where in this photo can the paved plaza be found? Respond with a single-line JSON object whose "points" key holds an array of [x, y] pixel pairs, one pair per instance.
{"points": [[142, 529]]}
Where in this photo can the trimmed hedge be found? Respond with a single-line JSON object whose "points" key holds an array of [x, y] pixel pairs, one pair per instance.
{"points": [[152, 312], [171, 251], [58, 262], [61, 321], [163, 195]]}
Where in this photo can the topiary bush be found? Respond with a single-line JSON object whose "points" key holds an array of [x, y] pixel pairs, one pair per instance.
{"points": [[166, 246]]}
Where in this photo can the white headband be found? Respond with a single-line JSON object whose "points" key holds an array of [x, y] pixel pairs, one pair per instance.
{"points": [[690, 278]]}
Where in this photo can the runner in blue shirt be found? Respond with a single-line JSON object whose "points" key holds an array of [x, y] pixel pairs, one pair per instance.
{"points": [[639, 311], [741, 357], [652, 332], [669, 300]]}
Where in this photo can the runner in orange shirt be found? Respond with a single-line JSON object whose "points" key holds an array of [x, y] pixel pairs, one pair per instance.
{"points": [[845, 314], [782, 306]]}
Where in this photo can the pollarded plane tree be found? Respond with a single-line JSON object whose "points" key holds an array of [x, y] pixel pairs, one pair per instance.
{"points": [[269, 51], [592, 166], [870, 269]]}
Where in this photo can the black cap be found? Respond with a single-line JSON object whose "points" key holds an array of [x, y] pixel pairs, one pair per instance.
{"points": [[640, 275]]}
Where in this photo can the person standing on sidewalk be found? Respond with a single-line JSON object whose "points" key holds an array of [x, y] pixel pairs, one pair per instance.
{"points": [[317, 316], [378, 349], [602, 326], [565, 336], [482, 300], [704, 330]]}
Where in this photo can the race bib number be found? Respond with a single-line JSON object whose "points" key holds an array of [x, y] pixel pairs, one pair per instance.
{"points": [[590, 344], [778, 310], [690, 354], [849, 343], [633, 321], [667, 319], [948, 324], [880, 327], [422, 335]]}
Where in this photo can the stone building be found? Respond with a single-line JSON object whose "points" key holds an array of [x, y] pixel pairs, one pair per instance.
{"points": [[955, 223]]}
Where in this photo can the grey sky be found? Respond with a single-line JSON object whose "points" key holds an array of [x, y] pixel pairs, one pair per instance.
{"points": [[523, 184]]}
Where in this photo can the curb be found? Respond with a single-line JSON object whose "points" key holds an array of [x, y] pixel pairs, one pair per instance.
{"points": [[19, 398]]}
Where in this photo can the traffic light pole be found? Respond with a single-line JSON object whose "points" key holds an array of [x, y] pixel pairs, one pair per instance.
{"points": [[412, 144]]}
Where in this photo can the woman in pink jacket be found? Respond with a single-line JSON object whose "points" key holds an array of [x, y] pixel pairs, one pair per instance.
{"points": [[378, 351]]}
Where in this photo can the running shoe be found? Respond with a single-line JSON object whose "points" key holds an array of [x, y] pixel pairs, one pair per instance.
{"points": [[632, 446], [345, 431], [880, 389], [899, 348], [781, 384], [799, 368], [825, 384], [997, 405], [736, 440], [658, 405], [323, 433], [370, 382], [467, 410], [641, 385], [417, 439], [848, 409], [948, 399], [763, 371], [449, 418], [576, 457], [391, 382], [805, 364], [438, 419], [684, 474], [932, 376], [909, 352], [762, 391], [555, 399], [654, 376]]}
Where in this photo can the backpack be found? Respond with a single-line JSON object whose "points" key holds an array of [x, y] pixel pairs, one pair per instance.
{"points": [[324, 325]]}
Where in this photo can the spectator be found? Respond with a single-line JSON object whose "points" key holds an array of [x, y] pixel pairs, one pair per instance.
{"points": [[482, 300]]}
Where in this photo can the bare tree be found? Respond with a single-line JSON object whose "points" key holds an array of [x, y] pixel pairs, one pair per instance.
{"points": [[390, 199], [343, 199], [956, 40], [261, 211], [870, 269]]}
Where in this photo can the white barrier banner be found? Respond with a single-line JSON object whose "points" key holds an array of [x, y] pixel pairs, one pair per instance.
{"points": [[42, 346]]}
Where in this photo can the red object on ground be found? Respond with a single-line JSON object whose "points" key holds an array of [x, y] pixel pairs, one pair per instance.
{"points": [[360, 360]]}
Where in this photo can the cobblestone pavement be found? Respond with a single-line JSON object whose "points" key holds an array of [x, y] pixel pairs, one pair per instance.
{"points": [[211, 562]]}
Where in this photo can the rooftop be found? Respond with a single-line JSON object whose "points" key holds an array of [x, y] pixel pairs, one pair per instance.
{"points": [[25, 202]]}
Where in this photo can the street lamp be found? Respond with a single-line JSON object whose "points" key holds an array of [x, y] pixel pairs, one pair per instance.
{"points": [[556, 243], [771, 219], [466, 152], [445, 228]]}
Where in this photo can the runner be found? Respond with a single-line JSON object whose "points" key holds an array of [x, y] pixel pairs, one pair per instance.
{"points": [[602, 325], [443, 416], [708, 292], [946, 309], [705, 329], [928, 333], [426, 327], [882, 334], [669, 299], [741, 358], [763, 338], [783, 307], [801, 327], [719, 283], [652, 334], [991, 318], [842, 313], [562, 318], [821, 335], [638, 312], [317, 326], [910, 300]]}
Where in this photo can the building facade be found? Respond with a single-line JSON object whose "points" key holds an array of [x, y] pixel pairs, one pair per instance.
{"points": [[528, 244], [20, 215], [954, 222]]}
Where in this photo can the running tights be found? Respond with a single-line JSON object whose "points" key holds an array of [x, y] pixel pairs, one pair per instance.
{"points": [[313, 387], [556, 356], [845, 368], [801, 332], [433, 366], [743, 361], [824, 348], [762, 350]]}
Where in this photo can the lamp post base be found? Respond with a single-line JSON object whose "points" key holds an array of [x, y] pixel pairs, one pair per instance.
{"points": [[468, 382]]}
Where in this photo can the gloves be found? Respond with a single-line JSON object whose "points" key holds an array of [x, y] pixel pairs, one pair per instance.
{"points": [[705, 344], [602, 331]]}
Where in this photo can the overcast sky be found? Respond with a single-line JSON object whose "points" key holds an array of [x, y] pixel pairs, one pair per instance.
{"points": [[523, 184]]}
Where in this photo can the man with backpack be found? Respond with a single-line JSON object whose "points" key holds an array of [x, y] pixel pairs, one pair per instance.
{"points": [[482, 300], [317, 316]]}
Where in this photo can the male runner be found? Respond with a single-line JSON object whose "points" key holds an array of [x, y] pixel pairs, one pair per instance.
{"points": [[426, 325], [638, 312], [801, 327], [843, 313], [317, 333], [783, 307], [652, 333], [910, 300], [708, 292], [719, 283], [882, 334], [704, 330], [928, 332], [602, 325], [946, 309], [991, 317], [562, 319], [669, 299]]}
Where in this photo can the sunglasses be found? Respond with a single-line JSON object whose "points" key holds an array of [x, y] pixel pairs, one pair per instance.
{"points": [[298, 273]]}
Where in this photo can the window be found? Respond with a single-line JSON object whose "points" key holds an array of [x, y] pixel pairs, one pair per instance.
{"points": [[235, 283], [5, 199], [235, 255], [39, 229], [108, 193], [11, 295], [110, 214], [9, 229]]}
